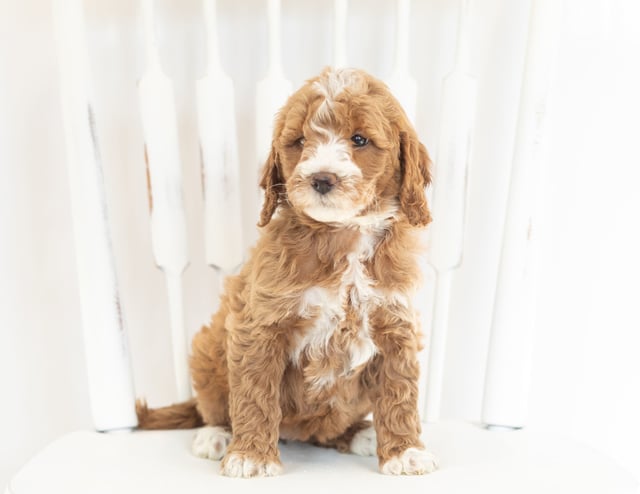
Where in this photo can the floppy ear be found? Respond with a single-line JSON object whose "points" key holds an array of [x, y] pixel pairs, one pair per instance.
{"points": [[415, 165], [273, 185]]}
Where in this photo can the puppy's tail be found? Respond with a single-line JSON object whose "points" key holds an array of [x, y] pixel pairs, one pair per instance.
{"points": [[177, 416]]}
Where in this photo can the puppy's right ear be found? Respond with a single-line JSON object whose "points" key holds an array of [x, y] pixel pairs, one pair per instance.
{"points": [[273, 185]]}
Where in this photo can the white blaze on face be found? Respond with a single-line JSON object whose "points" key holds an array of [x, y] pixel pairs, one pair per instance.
{"points": [[341, 203], [331, 155]]}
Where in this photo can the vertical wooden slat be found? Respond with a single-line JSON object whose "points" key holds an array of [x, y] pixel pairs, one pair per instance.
{"points": [[340, 9], [402, 85], [168, 223], [449, 200], [108, 366], [219, 154], [510, 349]]}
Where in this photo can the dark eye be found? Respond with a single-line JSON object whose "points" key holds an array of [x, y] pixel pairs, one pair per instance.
{"points": [[359, 141], [300, 141]]}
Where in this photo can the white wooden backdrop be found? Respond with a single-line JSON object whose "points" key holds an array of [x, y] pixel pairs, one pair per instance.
{"points": [[585, 364]]}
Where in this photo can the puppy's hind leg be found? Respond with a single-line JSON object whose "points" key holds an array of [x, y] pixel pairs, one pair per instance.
{"points": [[359, 439], [211, 442], [209, 373]]}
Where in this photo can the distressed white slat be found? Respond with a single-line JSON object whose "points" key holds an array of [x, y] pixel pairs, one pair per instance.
{"points": [[510, 349], [340, 10], [402, 85], [219, 153], [108, 367], [168, 224], [449, 200]]}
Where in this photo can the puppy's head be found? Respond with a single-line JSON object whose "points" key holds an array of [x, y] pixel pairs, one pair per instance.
{"points": [[343, 151]]}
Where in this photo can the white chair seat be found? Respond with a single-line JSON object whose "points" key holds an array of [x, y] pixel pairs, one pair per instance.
{"points": [[471, 460]]}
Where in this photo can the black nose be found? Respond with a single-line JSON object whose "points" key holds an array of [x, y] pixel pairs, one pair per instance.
{"points": [[323, 182]]}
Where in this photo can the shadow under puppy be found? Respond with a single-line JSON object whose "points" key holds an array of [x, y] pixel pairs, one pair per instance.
{"points": [[317, 330]]}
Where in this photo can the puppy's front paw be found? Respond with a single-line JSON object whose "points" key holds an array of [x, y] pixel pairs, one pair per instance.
{"points": [[211, 442], [242, 465], [414, 461]]}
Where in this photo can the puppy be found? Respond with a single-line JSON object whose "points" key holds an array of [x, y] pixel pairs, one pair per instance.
{"points": [[317, 331]]}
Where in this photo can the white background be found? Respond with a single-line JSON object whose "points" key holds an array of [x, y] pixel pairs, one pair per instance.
{"points": [[586, 365]]}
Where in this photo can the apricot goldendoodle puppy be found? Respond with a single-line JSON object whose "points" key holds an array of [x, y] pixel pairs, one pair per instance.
{"points": [[317, 330]]}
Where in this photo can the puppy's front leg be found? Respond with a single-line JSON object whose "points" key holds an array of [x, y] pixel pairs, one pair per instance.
{"points": [[395, 414], [256, 361]]}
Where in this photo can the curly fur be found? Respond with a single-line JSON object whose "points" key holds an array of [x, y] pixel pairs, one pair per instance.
{"points": [[317, 330]]}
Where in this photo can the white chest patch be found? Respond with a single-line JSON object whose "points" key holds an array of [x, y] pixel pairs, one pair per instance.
{"points": [[328, 309]]}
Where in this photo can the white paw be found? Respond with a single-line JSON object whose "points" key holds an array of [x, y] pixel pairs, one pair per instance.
{"points": [[414, 461], [364, 442], [237, 466], [211, 442]]}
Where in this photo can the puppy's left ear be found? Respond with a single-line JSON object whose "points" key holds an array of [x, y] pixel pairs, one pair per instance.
{"points": [[416, 176], [273, 185]]}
